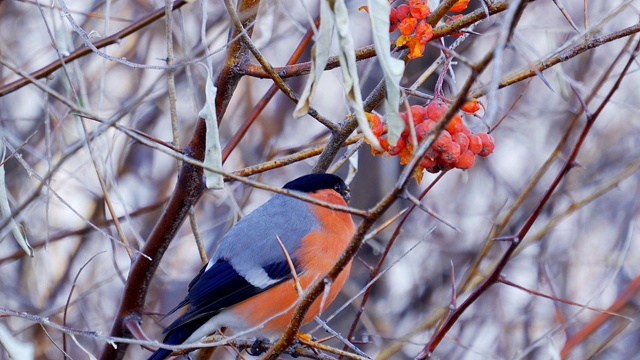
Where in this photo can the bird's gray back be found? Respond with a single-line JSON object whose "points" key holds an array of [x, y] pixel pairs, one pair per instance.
{"points": [[252, 241]]}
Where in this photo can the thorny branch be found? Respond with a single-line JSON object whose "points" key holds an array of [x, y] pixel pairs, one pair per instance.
{"points": [[524, 230]]}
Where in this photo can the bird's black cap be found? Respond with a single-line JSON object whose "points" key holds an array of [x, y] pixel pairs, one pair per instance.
{"points": [[315, 182]]}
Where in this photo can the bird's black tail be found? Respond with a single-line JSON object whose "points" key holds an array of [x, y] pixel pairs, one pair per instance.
{"points": [[178, 336], [160, 354]]}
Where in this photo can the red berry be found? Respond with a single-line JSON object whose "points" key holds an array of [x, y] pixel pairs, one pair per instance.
{"points": [[466, 160], [427, 162], [377, 129], [395, 150], [455, 125], [475, 144], [451, 153], [417, 113], [462, 139], [443, 141], [384, 143], [393, 20], [423, 129], [432, 154], [487, 144], [406, 131], [459, 6], [402, 12], [436, 110]]}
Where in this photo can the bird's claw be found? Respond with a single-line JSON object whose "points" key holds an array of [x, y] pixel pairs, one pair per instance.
{"points": [[258, 347]]}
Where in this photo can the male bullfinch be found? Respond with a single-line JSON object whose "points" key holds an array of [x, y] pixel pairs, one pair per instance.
{"points": [[248, 282]]}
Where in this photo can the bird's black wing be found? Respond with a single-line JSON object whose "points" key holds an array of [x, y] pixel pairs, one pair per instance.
{"points": [[222, 286]]}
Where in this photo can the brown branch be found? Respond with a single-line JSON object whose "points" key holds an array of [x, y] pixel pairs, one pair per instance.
{"points": [[273, 90], [305, 351], [316, 289], [516, 239], [278, 81], [564, 301], [438, 13], [187, 191], [588, 43], [338, 138], [377, 95], [83, 50], [468, 280], [237, 53], [294, 70], [627, 296], [376, 270], [368, 51], [290, 159]]}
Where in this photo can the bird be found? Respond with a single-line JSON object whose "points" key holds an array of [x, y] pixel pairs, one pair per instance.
{"points": [[248, 284]]}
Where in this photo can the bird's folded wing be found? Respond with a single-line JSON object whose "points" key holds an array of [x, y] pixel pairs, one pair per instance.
{"points": [[221, 286]]}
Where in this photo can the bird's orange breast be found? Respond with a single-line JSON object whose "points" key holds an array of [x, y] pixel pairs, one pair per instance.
{"points": [[318, 251]]}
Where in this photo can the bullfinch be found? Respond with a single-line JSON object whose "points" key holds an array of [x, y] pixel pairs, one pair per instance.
{"points": [[248, 282]]}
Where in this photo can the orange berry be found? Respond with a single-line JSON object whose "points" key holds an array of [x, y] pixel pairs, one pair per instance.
{"points": [[395, 150], [443, 141], [460, 6], [424, 32], [475, 144], [377, 127], [415, 48], [455, 124], [419, 9], [487, 144], [417, 113], [436, 110], [407, 25], [471, 106], [384, 143], [462, 139], [466, 160]]}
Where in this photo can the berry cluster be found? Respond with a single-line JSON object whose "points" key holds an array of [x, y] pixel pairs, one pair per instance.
{"points": [[455, 147], [410, 19]]}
